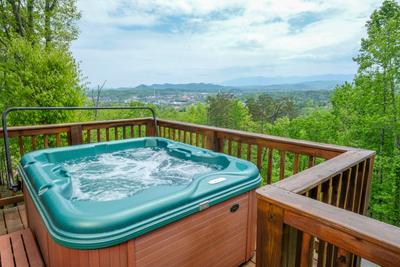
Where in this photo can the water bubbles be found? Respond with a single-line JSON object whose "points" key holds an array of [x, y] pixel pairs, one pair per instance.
{"points": [[112, 176]]}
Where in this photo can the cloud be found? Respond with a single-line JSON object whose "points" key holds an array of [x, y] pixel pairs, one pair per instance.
{"points": [[155, 41]]}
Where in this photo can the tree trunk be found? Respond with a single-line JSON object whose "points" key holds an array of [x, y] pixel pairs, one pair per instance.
{"points": [[382, 145], [17, 17], [394, 110], [48, 13], [29, 26]]}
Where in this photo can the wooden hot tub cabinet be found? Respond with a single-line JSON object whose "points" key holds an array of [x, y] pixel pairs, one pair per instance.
{"points": [[217, 236]]}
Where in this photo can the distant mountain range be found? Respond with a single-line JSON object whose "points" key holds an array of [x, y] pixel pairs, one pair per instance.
{"points": [[183, 86], [262, 80], [242, 85]]}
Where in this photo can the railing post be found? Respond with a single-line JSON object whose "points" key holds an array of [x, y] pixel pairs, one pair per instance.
{"points": [[75, 136], [212, 141], [269, 234], [150, 128]]}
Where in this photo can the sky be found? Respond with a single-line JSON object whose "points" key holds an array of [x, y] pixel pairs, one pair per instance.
{"points": [[128, 43]]}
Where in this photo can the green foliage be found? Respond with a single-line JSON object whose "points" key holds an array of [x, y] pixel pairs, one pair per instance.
{"points": [[224, 110], [36, 67], [48, 22], [35, 76], [264, 108]]}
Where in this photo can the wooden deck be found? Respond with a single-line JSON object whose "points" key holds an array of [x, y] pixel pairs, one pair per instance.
{"points": [[18, 247], [13, 219]]}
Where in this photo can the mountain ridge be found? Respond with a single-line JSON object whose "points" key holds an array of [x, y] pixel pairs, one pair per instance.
{"points": [[275, 80], [207, 87]]}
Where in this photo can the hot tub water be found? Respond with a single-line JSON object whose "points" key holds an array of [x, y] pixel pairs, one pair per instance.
{"points": [[112, 176]]}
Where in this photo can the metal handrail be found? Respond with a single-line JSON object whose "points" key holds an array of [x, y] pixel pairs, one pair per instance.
{"points": [[10, 181]]}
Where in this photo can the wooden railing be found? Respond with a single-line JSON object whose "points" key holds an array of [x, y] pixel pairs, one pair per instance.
{"points": [[309, 212], [24, 139], [276, 157], [294, 230]]}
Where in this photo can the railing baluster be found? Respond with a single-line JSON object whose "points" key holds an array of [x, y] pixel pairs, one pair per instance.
{"points": [[348, 189], [140, 130], [239, 149], [115, 133], [269, 168], [259, 157], [354, 191], [88, 136], [327, 198], [229, 147], [45, 141], [248, 152], [124, 132], [339, 189], [132, 131], [33, 142], [191, 138], [296, 163], [367, 184], [98, 135], [107, 134], [21, 145], [282, 164], [58, 141], [360, 187], [345, 188], [197, 139], [306, 250]]}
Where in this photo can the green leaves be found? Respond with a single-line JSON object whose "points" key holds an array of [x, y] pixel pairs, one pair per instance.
{"points": [[46, 22], [224, 110], [35, 76]]}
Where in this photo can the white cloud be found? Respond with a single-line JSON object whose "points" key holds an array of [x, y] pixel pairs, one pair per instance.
{"points": [[152, 41]]}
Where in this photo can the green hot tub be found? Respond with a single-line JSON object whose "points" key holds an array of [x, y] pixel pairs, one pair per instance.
{"points": [[100, 195]]}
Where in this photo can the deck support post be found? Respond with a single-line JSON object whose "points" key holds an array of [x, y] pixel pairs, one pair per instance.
{"points": [[212, 141], [269, 234], [150, 128], [75, 137]]}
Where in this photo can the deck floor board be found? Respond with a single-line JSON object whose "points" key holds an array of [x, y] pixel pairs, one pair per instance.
{"points": [[3, 228], [13, 219], [19, 249]]}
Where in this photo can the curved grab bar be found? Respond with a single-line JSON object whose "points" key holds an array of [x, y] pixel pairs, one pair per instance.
{"points": [[10, 181]]}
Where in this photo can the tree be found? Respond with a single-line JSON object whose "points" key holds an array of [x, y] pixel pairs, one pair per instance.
{"points": [[379, 61], [49, 22], [367, 111], [30, 77], [264, 108], [95, 96], [36, 66], [260, 109], [224, 110]]}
